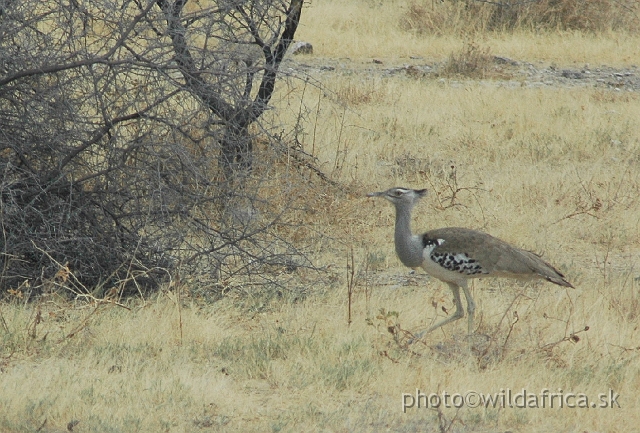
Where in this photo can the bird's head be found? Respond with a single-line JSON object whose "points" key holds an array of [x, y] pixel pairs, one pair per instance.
{"points": [[400, 196]]}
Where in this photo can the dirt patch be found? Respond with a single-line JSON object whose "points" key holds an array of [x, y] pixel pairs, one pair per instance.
{"points": [[502, 72]]}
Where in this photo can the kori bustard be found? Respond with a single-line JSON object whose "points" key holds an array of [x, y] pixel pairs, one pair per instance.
{"points": [[454, 255]]}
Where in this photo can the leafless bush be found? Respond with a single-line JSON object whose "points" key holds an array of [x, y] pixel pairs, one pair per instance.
{"points": [[126, 140]]}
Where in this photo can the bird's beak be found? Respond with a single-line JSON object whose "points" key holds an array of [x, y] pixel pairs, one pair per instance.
{"points": [[375, 194]]}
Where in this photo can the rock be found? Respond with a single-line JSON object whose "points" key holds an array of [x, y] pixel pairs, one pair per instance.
{"points": [[572, 74], [500, 60], [301, 47]]}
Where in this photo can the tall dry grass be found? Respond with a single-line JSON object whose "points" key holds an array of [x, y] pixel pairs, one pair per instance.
{"points": [[549, 169], [362, 29], [470, 16]]}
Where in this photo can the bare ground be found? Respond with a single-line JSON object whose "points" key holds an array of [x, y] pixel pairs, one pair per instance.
{"points": [[499, 71]]}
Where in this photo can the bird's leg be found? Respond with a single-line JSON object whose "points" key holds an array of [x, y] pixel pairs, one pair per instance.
{"points": [[471, 306], [459, 313]]}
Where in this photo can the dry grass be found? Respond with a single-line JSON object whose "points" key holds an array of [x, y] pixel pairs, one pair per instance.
{"points": [[553, 170], [362, 29], [472, 61], [458, 17]]}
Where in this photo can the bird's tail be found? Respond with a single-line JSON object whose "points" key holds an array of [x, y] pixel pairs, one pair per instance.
{"points": [[546, 270]]}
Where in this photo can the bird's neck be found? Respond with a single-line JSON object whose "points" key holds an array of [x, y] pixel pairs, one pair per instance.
{"points": [[408, 246]]}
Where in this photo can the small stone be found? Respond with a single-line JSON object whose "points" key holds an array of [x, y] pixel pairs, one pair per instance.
{"points": [[301, 47], [500, 60], [572, 74]]}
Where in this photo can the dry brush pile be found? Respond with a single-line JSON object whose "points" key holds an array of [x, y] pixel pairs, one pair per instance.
{"points": [[127, 144]]}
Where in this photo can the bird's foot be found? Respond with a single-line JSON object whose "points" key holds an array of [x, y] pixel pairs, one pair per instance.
{"points": [[416, 337]]}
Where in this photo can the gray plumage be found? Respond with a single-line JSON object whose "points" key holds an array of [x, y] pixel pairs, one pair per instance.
{"points": [[455, 255]]}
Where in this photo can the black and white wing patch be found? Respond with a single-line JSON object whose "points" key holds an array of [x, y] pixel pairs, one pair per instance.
{"points": [[454, 262]]}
